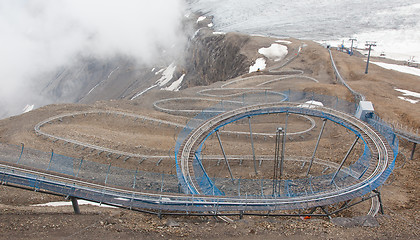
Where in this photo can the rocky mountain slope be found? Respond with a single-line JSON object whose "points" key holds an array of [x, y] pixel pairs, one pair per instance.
{"points": [[208, 58]]}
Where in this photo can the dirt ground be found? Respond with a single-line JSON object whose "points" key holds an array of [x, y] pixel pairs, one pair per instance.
{"points": [[20, 220]]}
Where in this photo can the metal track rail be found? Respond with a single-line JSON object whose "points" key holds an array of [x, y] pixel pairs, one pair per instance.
{"points": [[382, 156]]}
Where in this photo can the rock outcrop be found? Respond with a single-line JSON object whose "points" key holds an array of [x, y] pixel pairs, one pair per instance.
{"points": [[215, 57]]}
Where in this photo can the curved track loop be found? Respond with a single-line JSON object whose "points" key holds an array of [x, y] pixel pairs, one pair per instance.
{"points": [[38, 130], [382, 155]]}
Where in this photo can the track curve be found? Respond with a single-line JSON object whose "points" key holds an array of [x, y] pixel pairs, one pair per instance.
{"points": [[379, 163]]}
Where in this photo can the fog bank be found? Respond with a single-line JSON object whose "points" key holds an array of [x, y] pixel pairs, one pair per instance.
{"points": [[39, 36]]}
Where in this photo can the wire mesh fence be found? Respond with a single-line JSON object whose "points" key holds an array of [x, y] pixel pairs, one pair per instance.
{"points": [[135, 188], [267, 188], [248, 99], [89, 170]]}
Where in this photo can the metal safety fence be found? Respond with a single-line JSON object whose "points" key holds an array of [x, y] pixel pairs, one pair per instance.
{"points": [[139, 189], [209, 187], [88, 170], [264, 188]]}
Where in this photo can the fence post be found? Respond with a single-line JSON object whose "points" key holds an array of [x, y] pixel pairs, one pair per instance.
{"points": [[252, 145], [266, 100], [107, 173], [135, 178], [161, 186], [239, 187], [52, 154], [21, 152], [336, 103], [80, 166]]}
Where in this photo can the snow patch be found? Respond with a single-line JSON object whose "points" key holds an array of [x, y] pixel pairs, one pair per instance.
{"points": [[408, 93], [259, 35], [219, 33], [201, 18], [153, 69], [91, 90], [176, 85], [275, 52], [142, 92], [160, 71], [28, 108], [210, 25], [284, 42], [195, 33], [80, 202], [167, 75], [408, 100], [259, 64], [109, 75], [311, 104], [399, 68]]}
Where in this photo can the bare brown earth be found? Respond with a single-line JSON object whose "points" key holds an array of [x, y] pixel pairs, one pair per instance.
{"points": [[20, 220]]}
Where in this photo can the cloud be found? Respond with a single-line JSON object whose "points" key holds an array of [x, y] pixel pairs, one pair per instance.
{"points": [[41, 35]]}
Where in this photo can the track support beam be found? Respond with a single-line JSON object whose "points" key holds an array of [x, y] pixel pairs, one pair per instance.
{"points": [[381, 207], [224, 154], [75, 205], [278, 163], [316, 146], [283, 146], [252, 145], [345, 158], [412, 152]]}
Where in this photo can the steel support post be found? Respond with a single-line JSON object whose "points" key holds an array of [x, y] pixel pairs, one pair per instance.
{"points": [[412, 152], [252, 145], [370, 44], [283, 147], [381, 208], [316, 146], [367, 63], [75, 205], [345, 158], [326, 212], [224, 154], [276, 160]]}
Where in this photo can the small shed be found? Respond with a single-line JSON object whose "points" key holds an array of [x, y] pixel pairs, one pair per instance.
{"points": [[364, 110]]}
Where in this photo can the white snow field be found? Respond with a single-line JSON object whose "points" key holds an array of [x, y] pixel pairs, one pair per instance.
{"points": [[399, 68], [275, 52], [393, 24], [259, 64]]}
